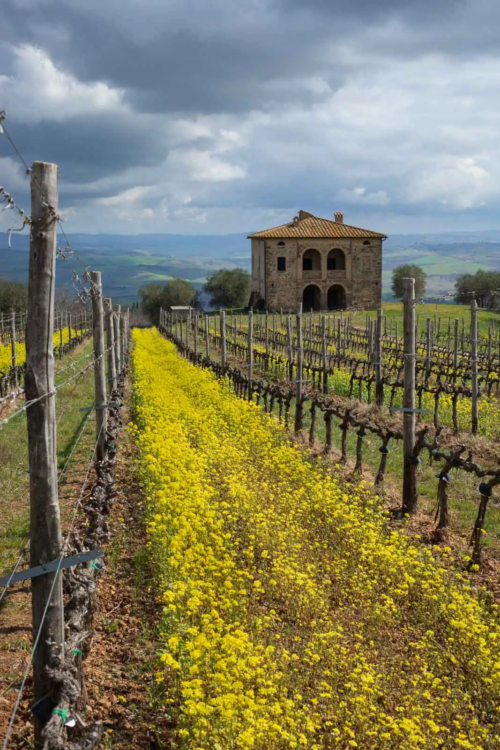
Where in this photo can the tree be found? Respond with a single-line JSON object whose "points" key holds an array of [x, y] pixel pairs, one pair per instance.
{"points": [[228, 287], [483, 283], [174, 292], [13, 296], [408, 271]]}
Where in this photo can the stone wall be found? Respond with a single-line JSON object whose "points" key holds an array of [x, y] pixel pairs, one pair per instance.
{"points": [[361, 280]]}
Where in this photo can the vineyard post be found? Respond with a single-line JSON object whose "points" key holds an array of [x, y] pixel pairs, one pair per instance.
{"points": [[122, 337], [60, 335], [379, 390], [195, 335], [289, 338], [455, 346], [45, 525], [339, 340], [463, 335], [207, 337], [428, 347], [323, 353], [299, 369], [223, 355], [70, 332], [188, 324], [409, 470], [13, 345], [473, 351], [250, 353], [489, 350], [110, 341], [267, 333], [101, 417], [116, 323]]}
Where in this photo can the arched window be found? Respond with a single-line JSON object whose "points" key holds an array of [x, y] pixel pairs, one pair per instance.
{"points": [[281, 244], [311, 260], [366, 242], [336, 260]]}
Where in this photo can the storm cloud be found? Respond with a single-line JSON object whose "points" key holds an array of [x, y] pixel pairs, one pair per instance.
{"points": [[188, 116]]}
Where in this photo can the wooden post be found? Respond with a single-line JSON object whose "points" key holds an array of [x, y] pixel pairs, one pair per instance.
{"points": [[473, 357], [45, 525], [223, 355], [379, 389], [118, 353], [13, 345], [323, 354], [428, 347], [207, 337], [110, 342], [250, 353], [101, 420], [298, 373], [289, 337], [455, 345], [195, 335], [409, 470], [267, 333], [188, 323]]}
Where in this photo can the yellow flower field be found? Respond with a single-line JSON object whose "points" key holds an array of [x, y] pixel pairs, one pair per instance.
{"points": [[293, 616], [6, 352]]}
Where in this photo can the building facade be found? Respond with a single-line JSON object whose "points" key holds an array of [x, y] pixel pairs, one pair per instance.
{"points": [[326, 265]]}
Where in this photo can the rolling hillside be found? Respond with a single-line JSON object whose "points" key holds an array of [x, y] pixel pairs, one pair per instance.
{"points": [[131, 261]]}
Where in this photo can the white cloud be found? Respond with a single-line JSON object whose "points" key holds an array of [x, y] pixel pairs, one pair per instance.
{"points": [[202, 166], [37, 90], [459, 182]]}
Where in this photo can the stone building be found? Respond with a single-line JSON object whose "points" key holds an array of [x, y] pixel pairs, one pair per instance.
{"points": [[326, 265]]}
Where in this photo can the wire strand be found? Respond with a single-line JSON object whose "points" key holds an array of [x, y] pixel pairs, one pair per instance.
{"points": [[61, 474], [52, 588]]}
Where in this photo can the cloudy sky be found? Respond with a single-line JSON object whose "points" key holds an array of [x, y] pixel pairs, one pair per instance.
{"points": [[217, 116]]}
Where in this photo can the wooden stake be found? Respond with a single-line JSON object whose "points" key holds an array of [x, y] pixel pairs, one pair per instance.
{"points": [[13, 346], [101, 419], [116, 324], [409, 470], [473, 350], [299, 371], [223, 339], [45, 526], [250, 353], [379, 390], [110, 342], [289, 337], [323, 354]]}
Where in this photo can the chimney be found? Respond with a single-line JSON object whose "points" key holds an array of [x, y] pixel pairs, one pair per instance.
{"points": [[339, 217]]}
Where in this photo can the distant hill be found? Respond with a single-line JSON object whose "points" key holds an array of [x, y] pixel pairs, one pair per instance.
{"points": [[131, 261]]}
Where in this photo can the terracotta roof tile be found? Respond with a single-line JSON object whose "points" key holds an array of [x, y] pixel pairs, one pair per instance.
{"points": [[313, 227]]}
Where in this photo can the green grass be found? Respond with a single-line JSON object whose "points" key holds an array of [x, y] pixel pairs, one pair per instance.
{"points": [[14, 474]]}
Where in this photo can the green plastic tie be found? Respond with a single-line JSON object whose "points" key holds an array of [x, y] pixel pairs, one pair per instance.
{"points": [[77, 651]]}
